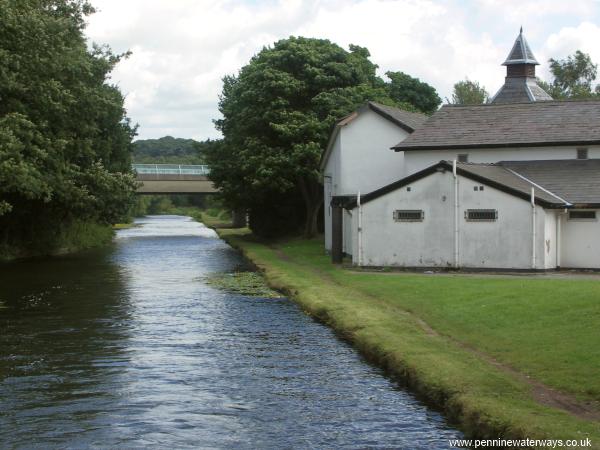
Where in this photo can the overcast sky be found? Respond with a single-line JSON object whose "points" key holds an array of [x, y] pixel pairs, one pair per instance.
{"points": [[182, 48]]}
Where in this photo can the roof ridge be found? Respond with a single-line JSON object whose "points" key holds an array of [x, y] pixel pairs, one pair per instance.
{"points": [[538, 102]]}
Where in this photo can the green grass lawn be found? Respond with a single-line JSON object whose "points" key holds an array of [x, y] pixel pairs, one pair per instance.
{"points": [[440, 332]]}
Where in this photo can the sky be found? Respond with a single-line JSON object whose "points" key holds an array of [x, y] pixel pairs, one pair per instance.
{"points": [[181, 49]]}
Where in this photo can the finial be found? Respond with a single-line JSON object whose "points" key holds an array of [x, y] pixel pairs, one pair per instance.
{"points": [[521, 31]]}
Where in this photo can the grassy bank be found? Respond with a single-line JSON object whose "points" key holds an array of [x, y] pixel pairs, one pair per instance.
{"points": [[503, 356], [68, 238]]}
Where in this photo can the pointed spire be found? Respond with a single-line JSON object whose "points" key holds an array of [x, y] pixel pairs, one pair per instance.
{"points": [[520, 84], [520, 53]]}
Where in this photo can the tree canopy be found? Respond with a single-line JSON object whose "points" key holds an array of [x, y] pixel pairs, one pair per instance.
{"points": [[169, 150], [573, 77], [278, 113], [469, 92], [405, 89], [65, 141]]}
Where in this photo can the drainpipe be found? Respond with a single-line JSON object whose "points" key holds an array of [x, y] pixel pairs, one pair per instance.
{"points": [[456, 217], [533, 229], [558, 237], [359, 231]]}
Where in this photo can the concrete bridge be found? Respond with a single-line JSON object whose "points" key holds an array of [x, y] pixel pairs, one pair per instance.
{"points": [[173, 179]]}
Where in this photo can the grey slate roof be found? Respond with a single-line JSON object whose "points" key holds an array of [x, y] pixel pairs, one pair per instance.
{"points": [[575, 180], [491, 175], [534, 124], [399, 116], [505, 177], [519, 90], [520, 53]]}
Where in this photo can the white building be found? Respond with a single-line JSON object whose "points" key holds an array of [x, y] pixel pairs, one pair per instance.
{"points": [[513, 215], [358, 158], [525, 193]]}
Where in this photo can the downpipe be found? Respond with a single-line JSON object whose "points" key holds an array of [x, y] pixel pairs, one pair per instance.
{"points": [[533, 229], [359, 231], [456, 218]]}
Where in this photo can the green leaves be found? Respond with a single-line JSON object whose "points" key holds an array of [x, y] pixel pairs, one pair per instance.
{"points": [[469, 92], [278, 113], [574, 77], [65, 142], [405, 89]]}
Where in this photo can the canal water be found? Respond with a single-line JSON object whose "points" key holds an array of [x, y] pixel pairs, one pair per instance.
{"points": [[129, 347]]}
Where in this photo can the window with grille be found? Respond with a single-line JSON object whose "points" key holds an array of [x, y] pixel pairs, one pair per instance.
{"points": [[582, 215], [481, 215], [409, 215], [582, 153], [463, 157]]}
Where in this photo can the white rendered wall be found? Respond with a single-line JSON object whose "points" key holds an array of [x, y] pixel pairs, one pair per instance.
{"points": [[368, 162], [416, 160], [410, 244], [580, 243], [505, 243], [361, 159]]}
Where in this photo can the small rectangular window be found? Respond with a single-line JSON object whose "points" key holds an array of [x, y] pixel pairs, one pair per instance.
{"points": [[481, 215], [582, 215], [582, 153], [463, 157], [409, 215]]}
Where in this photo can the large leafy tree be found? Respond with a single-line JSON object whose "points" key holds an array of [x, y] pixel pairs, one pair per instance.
{"points": [[403, 88], [65, 141], [278, 113], [573, 77], [469, 92]]}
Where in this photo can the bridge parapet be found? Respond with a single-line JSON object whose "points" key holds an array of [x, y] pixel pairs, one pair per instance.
{"points": [[171, 169]]}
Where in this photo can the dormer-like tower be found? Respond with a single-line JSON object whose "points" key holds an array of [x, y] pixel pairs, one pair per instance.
{"points": [[520, 84]]}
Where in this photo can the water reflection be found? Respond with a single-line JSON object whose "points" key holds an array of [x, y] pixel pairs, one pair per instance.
{"points": [[129, 348]]}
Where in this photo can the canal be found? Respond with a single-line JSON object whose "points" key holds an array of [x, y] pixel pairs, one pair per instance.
{"points": [[129, 347]]}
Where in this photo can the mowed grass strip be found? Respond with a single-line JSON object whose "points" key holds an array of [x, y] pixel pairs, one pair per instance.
{"points": [[544, 328]]}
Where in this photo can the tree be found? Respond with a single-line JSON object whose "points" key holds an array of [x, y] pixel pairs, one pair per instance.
{"points": [[403, 88], [169, 150], [278, 113], [469, 92], [65, 141], [573, 77]]}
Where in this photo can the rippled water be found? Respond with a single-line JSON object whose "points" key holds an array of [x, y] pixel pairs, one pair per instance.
{"points": [[129, 348]]}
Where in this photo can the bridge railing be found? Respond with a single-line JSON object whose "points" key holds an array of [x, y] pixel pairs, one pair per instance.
{"points": [[170, 169]]}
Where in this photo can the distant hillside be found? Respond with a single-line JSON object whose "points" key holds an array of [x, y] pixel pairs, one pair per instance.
{"points": [[168, 150]]}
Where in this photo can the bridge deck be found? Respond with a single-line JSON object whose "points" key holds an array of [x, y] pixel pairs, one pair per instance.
{"points": [[173, 179]]}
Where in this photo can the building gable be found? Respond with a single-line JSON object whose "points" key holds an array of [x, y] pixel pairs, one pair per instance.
{"points": [[405, 120]]}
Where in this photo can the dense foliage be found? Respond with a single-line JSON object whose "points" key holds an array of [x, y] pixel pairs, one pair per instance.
{"points": [[469, 92], [573, 77], [405, 89], [65, 142], [169, 150], [278, 113]]}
